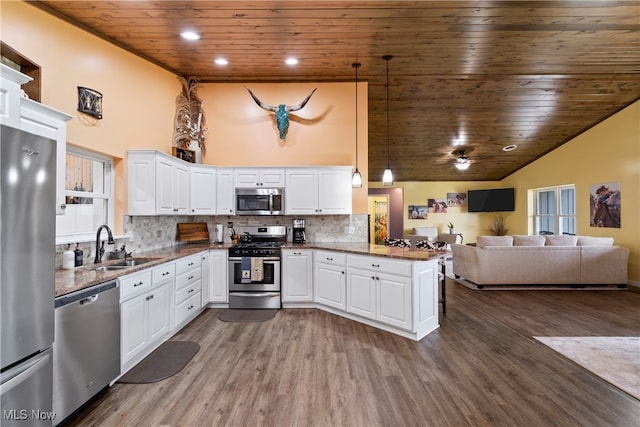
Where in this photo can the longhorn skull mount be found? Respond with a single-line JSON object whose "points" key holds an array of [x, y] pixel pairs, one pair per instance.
{"points": [[281, 111]]}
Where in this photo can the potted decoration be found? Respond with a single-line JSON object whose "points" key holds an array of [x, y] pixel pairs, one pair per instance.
{"points": [[452, 230], [498, 228]]}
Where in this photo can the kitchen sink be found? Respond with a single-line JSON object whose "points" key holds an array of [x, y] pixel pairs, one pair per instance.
{"points": [[132, 262], [124, 264]]}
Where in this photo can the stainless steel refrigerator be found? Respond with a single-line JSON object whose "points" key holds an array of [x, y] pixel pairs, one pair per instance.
{"points": [[27, 287]]}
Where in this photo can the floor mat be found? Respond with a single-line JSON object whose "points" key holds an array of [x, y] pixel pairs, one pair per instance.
{"points": [[165, 361], [237, 315], [614, 359]]}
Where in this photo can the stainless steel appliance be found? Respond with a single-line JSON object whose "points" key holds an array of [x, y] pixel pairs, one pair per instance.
{"points": [[27, 286], [86, 350], [259, 201], [254, 267], [298, 231]]}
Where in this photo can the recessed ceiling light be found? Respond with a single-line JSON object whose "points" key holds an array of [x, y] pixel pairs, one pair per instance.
{"points": [[221, 61], [510, 147], [291, 61], [190, 35]]}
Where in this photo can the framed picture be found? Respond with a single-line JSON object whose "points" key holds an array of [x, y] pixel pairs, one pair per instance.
{"points": [[184, 154]]}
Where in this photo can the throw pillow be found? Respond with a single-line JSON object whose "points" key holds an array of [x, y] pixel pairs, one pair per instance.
{"points": [[560, 240], [521, 240], [484, 241], [431, 233], [595, 241]]}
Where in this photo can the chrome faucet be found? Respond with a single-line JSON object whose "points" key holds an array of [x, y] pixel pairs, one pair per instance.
{"points": [[100, 249]]}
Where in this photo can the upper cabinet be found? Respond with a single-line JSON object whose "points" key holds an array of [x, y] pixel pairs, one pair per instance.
{"points": [[203, 190], [318, 191], [265, 178], [158, 184], [30, 116]]}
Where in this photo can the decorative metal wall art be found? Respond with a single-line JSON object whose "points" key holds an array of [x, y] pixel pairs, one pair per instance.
{"points": [[90, 102], [282, 111]]}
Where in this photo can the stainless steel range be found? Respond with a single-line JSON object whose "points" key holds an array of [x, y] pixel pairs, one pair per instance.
{"points": [[254, 267]]}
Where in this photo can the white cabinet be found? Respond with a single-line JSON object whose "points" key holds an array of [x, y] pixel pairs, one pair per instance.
{"points": [[318, 191], [202, 186], [172, 186], [30, 116], [144, 313], [297, 275], [225, 194], [330, 280], [188, 289], [380, 288], [157, 183], [218, 276], [252, 178]]}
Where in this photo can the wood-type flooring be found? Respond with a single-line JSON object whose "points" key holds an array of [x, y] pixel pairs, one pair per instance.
{"points": [[306, 367]]}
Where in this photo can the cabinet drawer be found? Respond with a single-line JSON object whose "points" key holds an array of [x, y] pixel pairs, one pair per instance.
{"points": [[188, 291], [163, 272], [134, 283], [187, 308], [381, 264], [188, 263], [334, 258], [184, 280]]}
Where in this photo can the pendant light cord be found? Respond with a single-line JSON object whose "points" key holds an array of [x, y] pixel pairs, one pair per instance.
{"points": [[387, 58], [356, 65]]}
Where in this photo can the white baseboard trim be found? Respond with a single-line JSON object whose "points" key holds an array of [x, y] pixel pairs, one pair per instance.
{"points": [[633, 283]]}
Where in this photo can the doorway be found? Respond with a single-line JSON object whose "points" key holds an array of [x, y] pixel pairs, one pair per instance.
{"points": [[393, 197], [379, 214]]}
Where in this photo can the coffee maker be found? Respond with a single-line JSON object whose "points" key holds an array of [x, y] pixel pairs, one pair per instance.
{"points": [[299, 234]]}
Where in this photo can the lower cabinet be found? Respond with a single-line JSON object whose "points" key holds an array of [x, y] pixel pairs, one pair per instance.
{"points": [[297, 276], [380, 289], [330, 279], [144, 321], [218, 276], [188, 289]]}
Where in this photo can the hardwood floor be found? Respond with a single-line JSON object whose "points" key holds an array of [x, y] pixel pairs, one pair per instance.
{"points": [[310, 368]]}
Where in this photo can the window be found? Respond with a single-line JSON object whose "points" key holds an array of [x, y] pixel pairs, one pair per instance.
{"points": [[88, 193], [555, 210]]}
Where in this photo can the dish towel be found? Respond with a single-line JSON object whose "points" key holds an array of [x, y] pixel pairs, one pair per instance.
{"points": [[245, 266], [257, 269]]}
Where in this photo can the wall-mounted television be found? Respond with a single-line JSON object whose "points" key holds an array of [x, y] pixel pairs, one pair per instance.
{"points": [[496, 200]]}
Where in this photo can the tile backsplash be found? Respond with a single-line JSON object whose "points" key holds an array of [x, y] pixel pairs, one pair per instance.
{"points": [[147, 233], [156, 232]]}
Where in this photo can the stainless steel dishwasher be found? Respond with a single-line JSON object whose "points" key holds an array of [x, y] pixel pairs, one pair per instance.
{"points": [[86, 350]]}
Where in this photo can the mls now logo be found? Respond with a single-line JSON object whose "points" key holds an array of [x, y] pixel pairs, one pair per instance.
{"points": [[24, 414]]}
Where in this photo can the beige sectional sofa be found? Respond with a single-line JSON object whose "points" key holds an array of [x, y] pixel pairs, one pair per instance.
{"points": [[541, 260]]}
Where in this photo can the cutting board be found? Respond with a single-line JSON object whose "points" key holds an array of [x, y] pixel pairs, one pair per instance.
{"points": [[193, 232]]}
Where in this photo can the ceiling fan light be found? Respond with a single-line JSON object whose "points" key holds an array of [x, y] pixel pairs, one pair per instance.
{"points": [[463, 166], [387, 177], [356, 179]]}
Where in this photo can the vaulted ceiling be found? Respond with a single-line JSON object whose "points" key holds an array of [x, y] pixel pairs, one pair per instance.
{"points": [[472, 76]]}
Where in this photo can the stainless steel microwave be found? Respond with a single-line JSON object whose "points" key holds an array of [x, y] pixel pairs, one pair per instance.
{"points": [[259, 201]]}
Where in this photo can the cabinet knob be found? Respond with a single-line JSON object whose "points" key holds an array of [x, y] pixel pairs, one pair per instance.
{"points": [[63, 206]]}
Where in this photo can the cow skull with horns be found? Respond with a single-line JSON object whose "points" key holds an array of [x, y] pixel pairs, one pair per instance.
{"points": [[282, 111]]}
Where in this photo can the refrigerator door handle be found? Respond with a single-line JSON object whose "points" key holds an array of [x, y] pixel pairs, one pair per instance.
{"points": [[19, 374]]}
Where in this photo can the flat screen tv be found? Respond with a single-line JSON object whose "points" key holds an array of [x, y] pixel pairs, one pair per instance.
{"points": [[497, 200]]}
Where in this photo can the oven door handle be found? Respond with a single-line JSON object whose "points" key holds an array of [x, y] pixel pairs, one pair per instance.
{"points": [[256, 295], [237, 259]]}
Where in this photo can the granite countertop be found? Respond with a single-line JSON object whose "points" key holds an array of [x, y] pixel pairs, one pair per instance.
{"points": [[68, 281]]}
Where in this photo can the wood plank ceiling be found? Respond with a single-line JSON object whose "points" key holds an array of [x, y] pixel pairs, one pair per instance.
{"points": [[466, 75]]}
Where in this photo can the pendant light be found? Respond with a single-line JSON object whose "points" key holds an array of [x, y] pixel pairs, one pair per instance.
{"points": [[387, 176], [356, 179]]}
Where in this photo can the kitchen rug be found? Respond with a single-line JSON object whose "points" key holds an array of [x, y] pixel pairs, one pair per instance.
{"points": [[164, 362], [233, 315], [614, 359]]}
